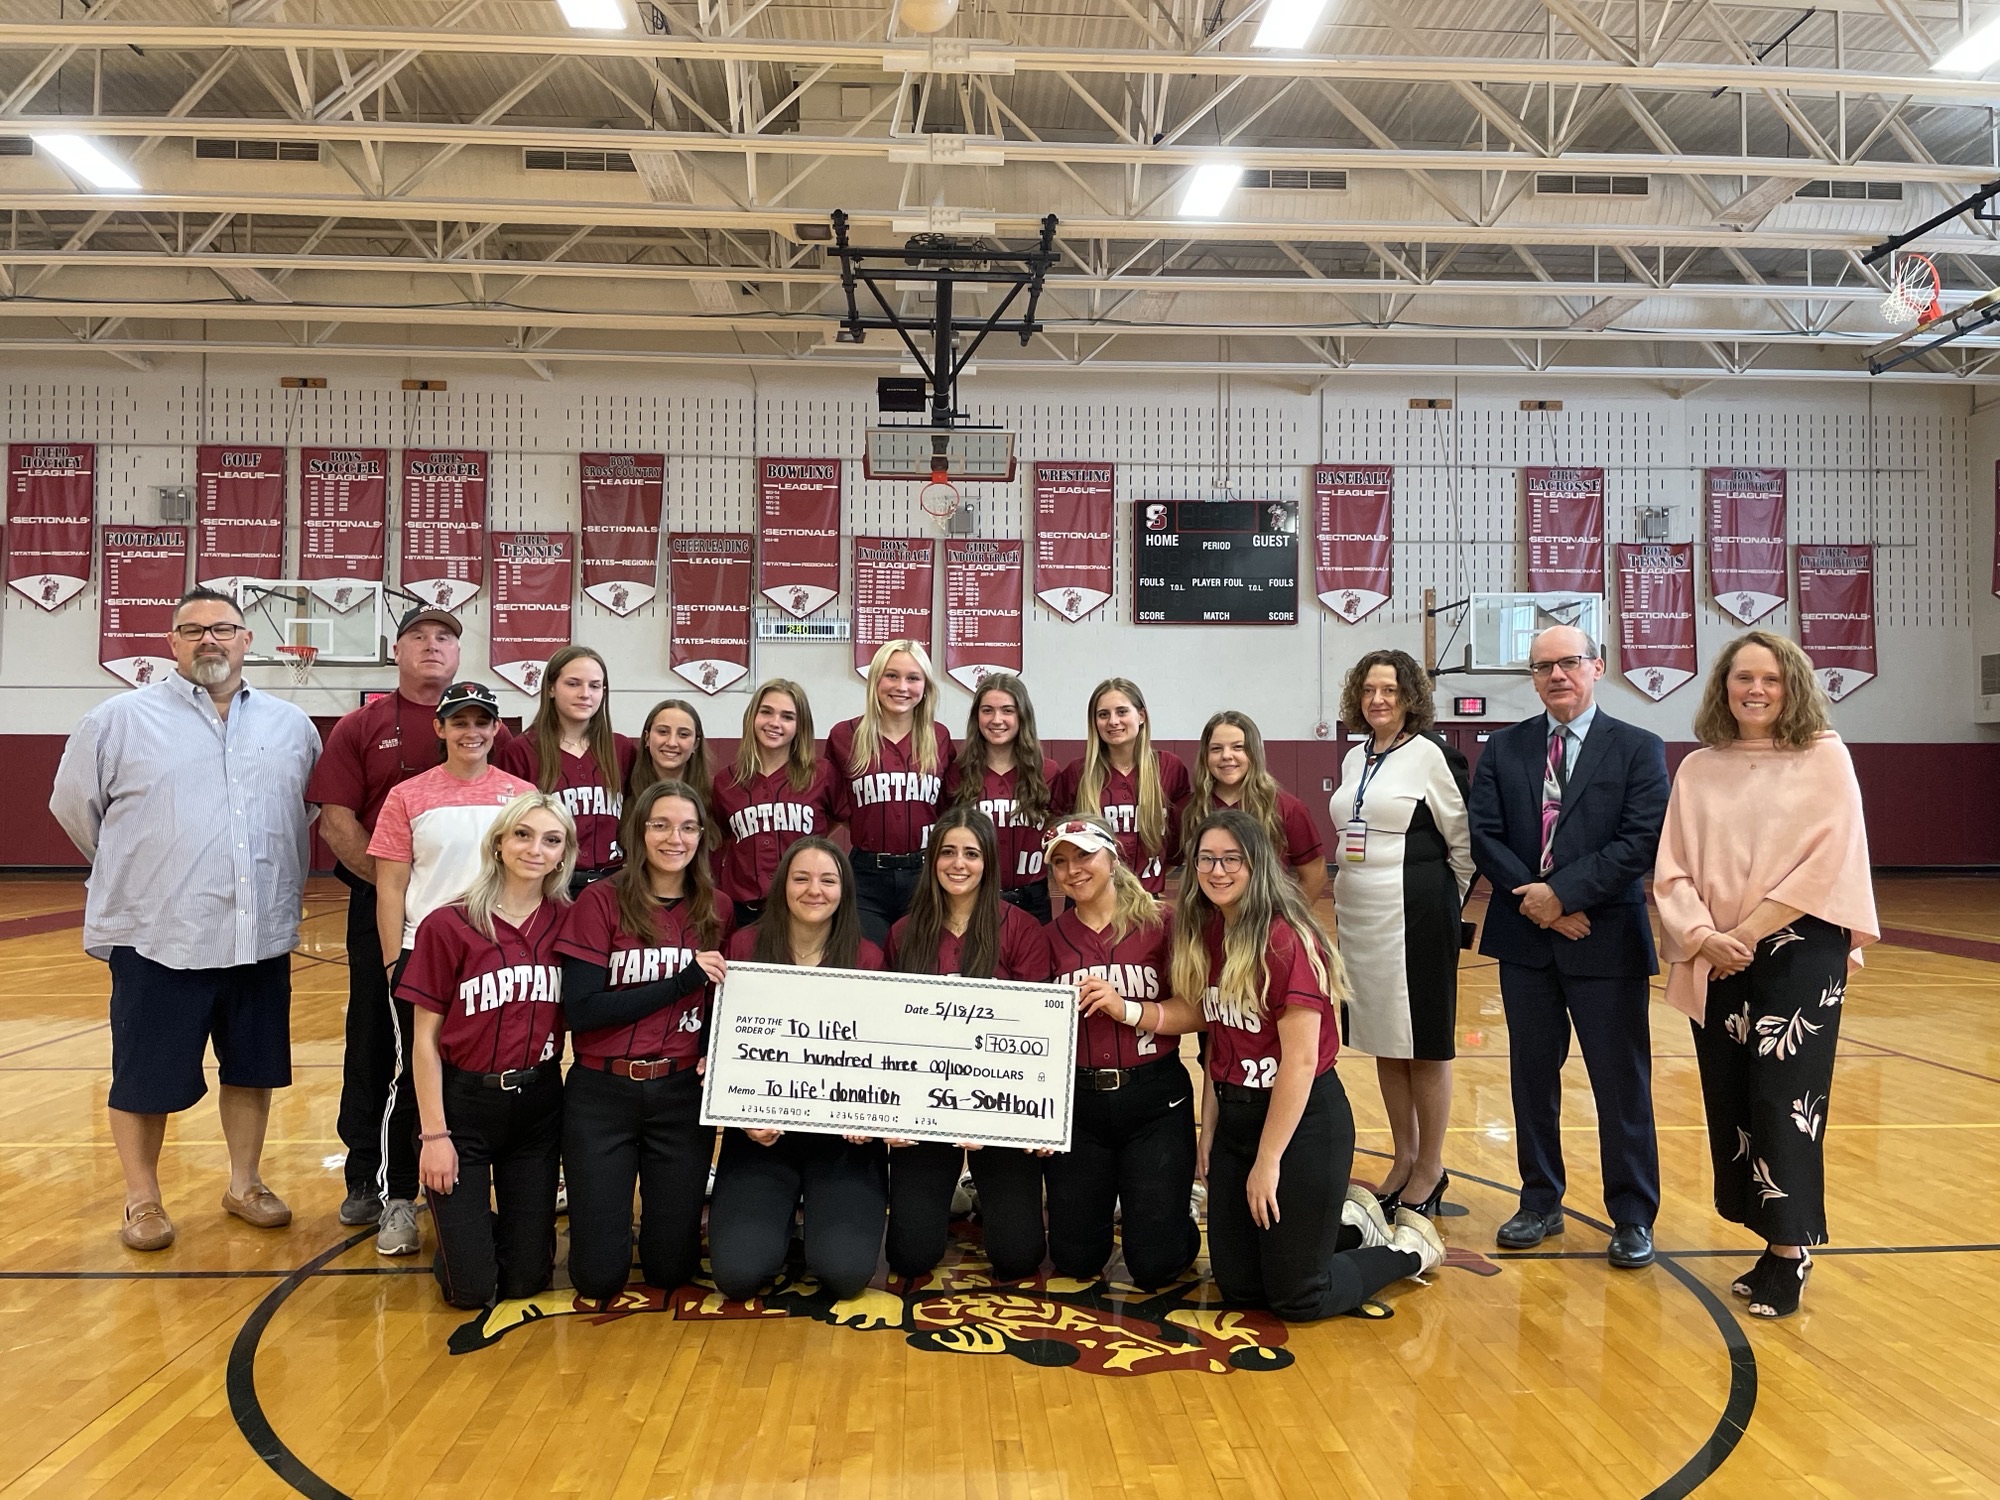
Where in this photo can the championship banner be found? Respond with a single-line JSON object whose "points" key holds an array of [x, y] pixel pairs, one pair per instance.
{"points": [[51, 506], [239, 514], [1996, 527], [623, 494], [444, 524], [892, 593], [708, 581], [343, 513], [145, 574], [982, 609], [798, 533], [1744, 510], [1073, 544], [1656, 616], [1564, 510], [1837, 615], [1354, 537], [534, 573]]}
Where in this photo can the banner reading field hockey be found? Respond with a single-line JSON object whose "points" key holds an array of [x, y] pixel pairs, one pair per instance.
{"points": [[343, 515], [1744, 511], [892, 594], [1354, 537], [1837, 615], [708, 583], [444, 524], [534, 575], [982, 609], [239, 514], [1563, 524], [145, 574], [1656, 616], [51, 506], [1073, 555], [623, 494], [798, 533]]}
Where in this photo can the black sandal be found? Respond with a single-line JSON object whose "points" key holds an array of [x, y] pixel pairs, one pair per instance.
{"points": [[1752, 1281], [1778, 1296]]}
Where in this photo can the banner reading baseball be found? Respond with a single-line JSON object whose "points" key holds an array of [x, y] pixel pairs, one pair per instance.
{"points": [[444, 524], [798, 533], [343, 514], [239, 514], [708, 583], [1073, 536], [51, 506], [145, 574], [1745, 516], [623, 494], [1656, 616], [982, 609], [1837, 615], [534, 573], [1354, 537], [892, 593], [1564, 510]]}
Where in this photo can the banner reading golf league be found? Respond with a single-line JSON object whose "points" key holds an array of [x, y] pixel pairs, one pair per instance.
{"points": [[239, 514]]}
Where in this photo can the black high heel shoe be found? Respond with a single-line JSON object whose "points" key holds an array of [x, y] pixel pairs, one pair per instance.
{"points": [[1751, 1282], [1391, 1200], [1778, 1296], [1430, 1206]]}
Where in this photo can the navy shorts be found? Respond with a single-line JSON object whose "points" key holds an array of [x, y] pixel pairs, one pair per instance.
{"points": [[162, 1020]]}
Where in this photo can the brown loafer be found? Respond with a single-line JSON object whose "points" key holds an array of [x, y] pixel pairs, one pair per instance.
{"points": [[260, 1206], [146, 1227]]}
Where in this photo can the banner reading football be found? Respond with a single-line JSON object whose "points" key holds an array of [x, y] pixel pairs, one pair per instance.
{"points": [[1656, 616], [51, 505], [145, 573], [1354, 537], [1745, 515], [623, 494], [444, 524], [708, 583], [1837, 615], [239, 514], [1073, 536], [343, 512], [892, 594], [798, 533], [534, 573], [1565, 529], [982, 609]]}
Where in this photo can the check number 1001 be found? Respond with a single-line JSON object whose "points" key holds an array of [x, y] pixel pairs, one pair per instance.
{"points": [[1012, 1046]]}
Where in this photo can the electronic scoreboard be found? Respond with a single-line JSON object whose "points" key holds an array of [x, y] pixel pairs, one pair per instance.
{"points": [[1215, 562]]}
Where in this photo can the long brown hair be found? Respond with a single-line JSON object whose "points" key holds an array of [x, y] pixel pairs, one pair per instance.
{"points": [[1801, 721], [1031, 782], [697, 773], [1260, 788], [1413, 692], [638, 908], [979, 950], [546, 731], [799, 758], [774, 928], [1097, 767], [868, 733]]}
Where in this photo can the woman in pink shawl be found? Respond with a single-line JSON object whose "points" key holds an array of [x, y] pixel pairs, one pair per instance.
{"points": [[1762, 885]]}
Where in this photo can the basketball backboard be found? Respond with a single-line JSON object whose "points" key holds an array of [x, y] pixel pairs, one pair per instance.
{"points": [[963, 453], [343, 621], [1504, 626]]}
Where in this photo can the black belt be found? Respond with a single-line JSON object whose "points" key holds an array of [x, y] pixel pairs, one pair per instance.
{"points": [[640, 1069], [868, 859], [1242, 1093], [1110, 1080], [513, 1080]]}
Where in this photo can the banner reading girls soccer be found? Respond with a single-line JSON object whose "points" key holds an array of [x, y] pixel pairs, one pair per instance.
{"points": [[343, 513], [444, 524], [1073, 544], [239, 514], [798, 533], [51, 506], [534, 575], [892, 593], [982, 609], [1564, 528], [1354, 537], [1837, 615], [622, 497], [1745, 516], [145, 574], [1656, 616], [708, 582]]}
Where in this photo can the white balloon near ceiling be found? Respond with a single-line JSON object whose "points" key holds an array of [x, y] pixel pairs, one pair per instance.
{"points": [[928, 15]]}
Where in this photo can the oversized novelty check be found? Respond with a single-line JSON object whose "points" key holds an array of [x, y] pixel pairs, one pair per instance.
{"points": [[923, 1057]]}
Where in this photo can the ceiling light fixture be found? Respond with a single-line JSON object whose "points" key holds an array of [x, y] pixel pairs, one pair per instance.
{"points": [[1288, 23], [594, 15], [1208, 190], [84, 157], [1974, 54]]}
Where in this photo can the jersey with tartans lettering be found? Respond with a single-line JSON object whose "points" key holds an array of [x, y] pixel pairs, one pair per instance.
{"points": [[592, 806], [592, 932], [1119, 806], [1024, 949], [500, 996], [1020, 840], [1301, 842], [1138, 967], [890, 806], [1249, 1054], [743, 949], [373, 748], [759, 822], [437, 824]]}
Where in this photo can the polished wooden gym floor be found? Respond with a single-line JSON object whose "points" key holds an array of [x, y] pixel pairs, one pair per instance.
{"points": [[242, 1362]]}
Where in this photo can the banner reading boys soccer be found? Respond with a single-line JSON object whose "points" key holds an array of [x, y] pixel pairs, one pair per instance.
{"points": [[1656, 616], [1354, 537], [1073, 546], [892, 594], [622, 497], [51, 506], [444, 524], [239, 510], [1744, 510], [1837, 615], [982, 609], [708, 583], [343, 515], [798, 533], [145, 574], [534, 574], [1564, 528]]}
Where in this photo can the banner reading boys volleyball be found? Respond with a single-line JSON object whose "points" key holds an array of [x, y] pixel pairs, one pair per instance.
{"points": [[1837, 615], [982, 609], [622, 497], [239, 511], [1073, 536], [444, 524], [892, 594], [1745, 515], [1354, 537], [51, 505], [343, 513], [1564, 528], [145, 573], [798, 533], [708, 582], [534, 574], [1656, 616]]}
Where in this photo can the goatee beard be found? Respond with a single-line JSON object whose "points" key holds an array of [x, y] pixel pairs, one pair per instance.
{"points": [[208, 671]]}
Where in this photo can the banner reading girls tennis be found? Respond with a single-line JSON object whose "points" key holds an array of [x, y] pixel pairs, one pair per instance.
{"points": [[1564, 528], [892, 593], [1656, 616], [239, 510], [444, 524], [1354, 537], [1073, 544], [145, 574], [708, 583], [1744, 510], [343, 513], [982, 609], [798, 533], [1837, 615], [51, 506], [622, 497], [534, 575]]}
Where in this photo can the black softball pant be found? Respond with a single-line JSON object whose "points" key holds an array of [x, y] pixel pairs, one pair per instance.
{"points": [[1032, 899], [758, 1189], [376, 1034], [922, 1179], [884, 896], [1132, 1152], [619, 1133], [496, 1230]]}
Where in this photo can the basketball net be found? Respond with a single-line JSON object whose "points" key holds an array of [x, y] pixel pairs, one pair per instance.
{"points": [[939, 497], [1912, 298], [300, 659]]}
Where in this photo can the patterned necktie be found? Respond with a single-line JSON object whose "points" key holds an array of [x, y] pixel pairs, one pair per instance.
{"points": [[1555, 776]]}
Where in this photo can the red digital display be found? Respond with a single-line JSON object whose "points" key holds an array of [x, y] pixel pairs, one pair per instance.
{"points": [[1469, 708]]}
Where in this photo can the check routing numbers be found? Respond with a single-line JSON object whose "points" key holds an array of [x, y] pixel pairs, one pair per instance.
{"points": [[1216, 562], [915, 1056]]}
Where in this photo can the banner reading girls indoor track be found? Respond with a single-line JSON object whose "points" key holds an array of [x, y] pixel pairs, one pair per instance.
{"points": [[1745, 515], [1656, 616], [1837, 615], [623, 494], [51, 506], [798, 533], [444, 524], [982, 609], [1354, 537], [708, 582], [343, 513], [892, 593], [239, 514], [1073, 536], [1564, 511], [534, 574], [145, 574]]}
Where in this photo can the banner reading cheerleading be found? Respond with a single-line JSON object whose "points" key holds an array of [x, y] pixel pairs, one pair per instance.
{"points": [[534, 575], [444, 524], [1656, 616], [892, 593], [1354, 536], [1837, 615], [343, 515], [623, 494], [51, 506], [708, 582], [1564, 527], [982, 609], [1744, 510], [239, 531], [145, 573], [1073, 556], [798, 533]]}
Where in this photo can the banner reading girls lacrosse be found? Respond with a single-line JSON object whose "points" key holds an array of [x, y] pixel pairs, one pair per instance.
{"points": [[798, 533], [622, 497], [1744, 510], [145, 573], [239, 514], [1354, 537], [1656, 616], [444, 524], [1837, 615], [1564, 528], [708, 582], [982, 609], [1073, 536], [534, 574], [343, 512], [51, 505], [892, 593]]}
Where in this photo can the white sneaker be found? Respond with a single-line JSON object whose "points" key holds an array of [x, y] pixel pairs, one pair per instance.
{"points": [[1364, 1212], [964, 1198], [1198, 1201], [1417, 1236], [398, 1234], [562, 1193]]}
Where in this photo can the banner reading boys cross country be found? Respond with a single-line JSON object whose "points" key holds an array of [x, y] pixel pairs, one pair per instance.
{"points": [[145, 574], [1656, 616], [798, 533], [1744, 510], [343, 513], [622, 497], [1837, 615], [892, 594], [1073, 536], [444, 524], [534, 574], [1354, 537], [982, 609], [51, 504], [708, 582], [239, 514], [1563, 511]]}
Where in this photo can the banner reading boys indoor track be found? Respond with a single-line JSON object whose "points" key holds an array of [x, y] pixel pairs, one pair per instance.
{"points": [[1744, 510], [239, 514], [708, 583], [51, 505], [798, 533], [1073, 545], [343, 515], [145, 574], [1563, 524], [892, 594], [1837, 615], [623, 494], [444, 524], [1656, 616], [1354, 537], [534, 575], [982, 609]]}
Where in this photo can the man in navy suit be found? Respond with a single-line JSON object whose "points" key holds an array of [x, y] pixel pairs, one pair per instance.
{"points": [[1566, 811]]}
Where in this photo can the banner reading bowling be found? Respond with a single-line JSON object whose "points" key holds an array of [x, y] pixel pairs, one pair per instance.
{"points": [[1354, 537], [798, 533], [623, 494], [708, 581], [1744, 511], [51, 506], [1837, 615], [1656, 616], [1073, 555]]}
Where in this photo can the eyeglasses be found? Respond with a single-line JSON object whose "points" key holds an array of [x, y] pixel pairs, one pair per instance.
{"points": [[1232, 861], [227, 630], [1569, 665], [661, 825]]}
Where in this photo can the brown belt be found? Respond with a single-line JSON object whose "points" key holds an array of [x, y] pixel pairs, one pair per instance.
{"points": [[641, 1069]]}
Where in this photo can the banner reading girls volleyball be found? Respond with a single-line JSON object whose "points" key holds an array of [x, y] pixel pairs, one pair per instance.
{"points": [[51, 505], [239, 514], [343, 513], [444, 524], [1564, 528], [982, 609], [1837, 615], [145, 573], [1073, 536], [798, 533], [892, 593], [1745, 516], [1354, 537], [708, 582], [622, 497], [534, 575], [1656, 616]]}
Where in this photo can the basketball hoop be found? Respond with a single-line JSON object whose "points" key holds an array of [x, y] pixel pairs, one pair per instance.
{"points": [[939, 498], [300, 659], [1913, 291]]}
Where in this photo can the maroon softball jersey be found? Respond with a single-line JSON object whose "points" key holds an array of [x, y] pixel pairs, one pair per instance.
{"points": [[1024, 948], [1249, 1055], [374, 748], [1302, 841], [592, 805], [743, 947], [593, 933], [888, 808], [1137, 968], [501, 997], [759, 822], [1020, 840], [1120, 808]]}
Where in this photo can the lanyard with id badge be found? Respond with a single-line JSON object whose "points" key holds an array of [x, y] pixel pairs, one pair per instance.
{"points": [[1354, 837]]}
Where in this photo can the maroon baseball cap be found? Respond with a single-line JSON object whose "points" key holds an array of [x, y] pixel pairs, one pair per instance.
{"points": [[428, 615]]}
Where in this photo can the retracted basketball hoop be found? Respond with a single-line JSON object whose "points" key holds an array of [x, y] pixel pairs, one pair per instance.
{"points": [[1912, 298], [300, 659]]}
